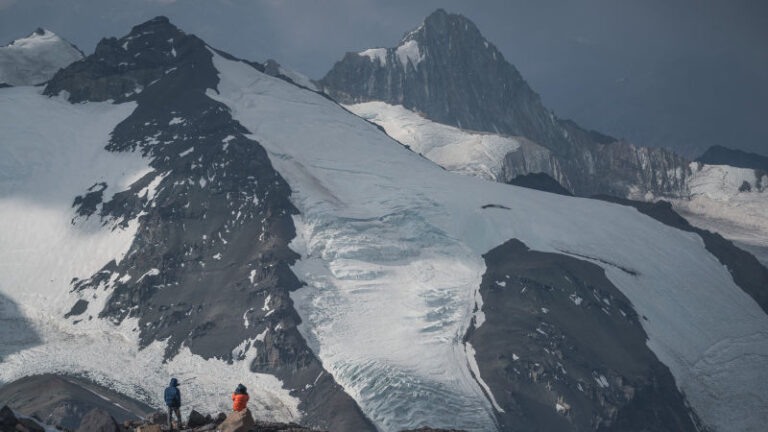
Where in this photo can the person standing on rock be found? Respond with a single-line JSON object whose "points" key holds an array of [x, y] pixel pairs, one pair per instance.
{"points": [[240, 398], [173, 401]]}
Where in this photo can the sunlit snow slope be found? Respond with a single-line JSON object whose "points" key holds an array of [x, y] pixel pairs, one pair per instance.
{"points": [[731, 201], [472, 153], [391, 251], [50, 152], [35, 58]]}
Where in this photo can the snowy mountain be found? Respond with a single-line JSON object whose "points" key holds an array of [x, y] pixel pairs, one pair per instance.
{"points": [[444, 76], [183, 212], [484, 155], [448, 72], [731, 201], [36, 58]]}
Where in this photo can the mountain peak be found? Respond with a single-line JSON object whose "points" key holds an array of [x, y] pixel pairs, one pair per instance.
{"points": [[35, 58], [158, 24], [148, 52], [445, 23]]}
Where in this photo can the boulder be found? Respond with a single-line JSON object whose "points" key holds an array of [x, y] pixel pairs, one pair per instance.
{"points": [[157, 418], [150, 428], [196, 420], [29, 425], [238, 421], [8, 419], [98, 420], [220, 417]]}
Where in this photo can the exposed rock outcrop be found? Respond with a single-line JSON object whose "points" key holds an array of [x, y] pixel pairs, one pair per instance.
{"points": [[98, 420], [65, 400], [561, 348]]}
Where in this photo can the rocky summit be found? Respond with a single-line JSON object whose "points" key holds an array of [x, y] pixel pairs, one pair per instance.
{"points": [[446, 70]]}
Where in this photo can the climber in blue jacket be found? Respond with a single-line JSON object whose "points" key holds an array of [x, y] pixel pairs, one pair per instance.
{"points": [[173, 401]]}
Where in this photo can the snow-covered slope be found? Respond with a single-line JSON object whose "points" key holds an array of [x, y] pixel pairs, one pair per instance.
{"points": [[720, 198], [35, 58], [48, 163], [177, 266], [51, 151], [731, 201], [472, 153], [391, 250]]}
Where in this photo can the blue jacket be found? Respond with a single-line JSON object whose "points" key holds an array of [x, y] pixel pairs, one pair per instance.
{"points": [[172, 394]]}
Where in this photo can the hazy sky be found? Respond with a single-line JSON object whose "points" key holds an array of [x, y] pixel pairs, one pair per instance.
{"points": [[684, 74]]}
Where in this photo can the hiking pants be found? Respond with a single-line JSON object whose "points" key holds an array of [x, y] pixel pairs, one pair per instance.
{"points": [[172, 410]]}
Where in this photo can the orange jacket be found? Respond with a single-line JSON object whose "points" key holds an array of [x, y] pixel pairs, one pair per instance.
{"points": [[240, 400]]}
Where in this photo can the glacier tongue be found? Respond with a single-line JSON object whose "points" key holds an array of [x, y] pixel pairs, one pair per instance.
{"points": [[391, 248]]}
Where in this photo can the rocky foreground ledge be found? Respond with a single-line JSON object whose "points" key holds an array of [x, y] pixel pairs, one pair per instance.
{"points": [[98, 420]]}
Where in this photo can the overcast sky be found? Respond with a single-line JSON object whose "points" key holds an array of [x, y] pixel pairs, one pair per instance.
{"points": [[684, 74]]}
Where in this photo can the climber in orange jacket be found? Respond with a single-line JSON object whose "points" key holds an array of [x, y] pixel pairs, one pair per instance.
{"points": [[239, 398]]}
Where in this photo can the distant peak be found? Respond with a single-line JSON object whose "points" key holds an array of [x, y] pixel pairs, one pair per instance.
{"points": [[158, 23], [160, 19], [40, 35], [440, 12], [442, 19]]}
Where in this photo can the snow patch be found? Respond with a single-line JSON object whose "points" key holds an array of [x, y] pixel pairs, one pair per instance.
{"points": [[409, 52], [377, 55]]}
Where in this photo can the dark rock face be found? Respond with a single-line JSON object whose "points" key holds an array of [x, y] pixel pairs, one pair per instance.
{"points": [[562, 349], [157, 418], [77, 309], [120, 68], [540, 181], [8, 419], [719, 155], [64, 401], [196, 419], [210, 264], [747, 272], [98, 421], [456, 77]]}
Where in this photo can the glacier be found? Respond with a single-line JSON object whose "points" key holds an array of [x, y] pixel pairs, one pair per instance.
{"points": [[391, 249]]}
